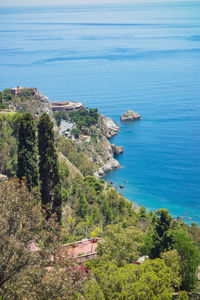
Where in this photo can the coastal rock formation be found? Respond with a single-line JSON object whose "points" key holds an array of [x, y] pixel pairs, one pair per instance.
{"points": [[130, 115], [31, 100], [117, 149], [109, 166], [97, 146], [109, 126], [98, 149]]}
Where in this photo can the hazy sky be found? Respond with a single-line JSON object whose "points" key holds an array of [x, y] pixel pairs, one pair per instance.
{"points": [[72, 2]]}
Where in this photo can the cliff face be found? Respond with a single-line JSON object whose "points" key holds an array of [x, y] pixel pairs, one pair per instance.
{"points": [[33, 101], [93, 141], [97, 146]]}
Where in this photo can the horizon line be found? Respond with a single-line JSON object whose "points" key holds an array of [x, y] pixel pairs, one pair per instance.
{"points": [[91, 3]]}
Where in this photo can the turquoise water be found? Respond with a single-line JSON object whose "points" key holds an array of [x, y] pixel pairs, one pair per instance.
{"points": [[144, 57]]}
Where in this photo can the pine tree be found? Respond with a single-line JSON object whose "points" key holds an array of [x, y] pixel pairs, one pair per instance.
{"points": [[162, 236], [83, 206], [48, 167], [27, 151]]}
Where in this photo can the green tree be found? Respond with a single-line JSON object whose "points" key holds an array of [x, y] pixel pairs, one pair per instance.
{"points": [[143, 213], [120, 245], [150, 280], [1, 97], [7, 96], [93, 291], [8, 143], [173, 260], [27, 241], [20, 222], [162, 235], [190, 259], [58, 117], [83, 206], [27, 165], [48, 167]]}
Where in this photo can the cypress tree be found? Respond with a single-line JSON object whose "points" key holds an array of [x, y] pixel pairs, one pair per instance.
{"points": [[48, 167], [162, 236], [27, 151], [83, 206]]}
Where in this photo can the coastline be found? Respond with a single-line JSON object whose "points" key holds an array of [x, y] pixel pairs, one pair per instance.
{"points": [[140, 196], [124, 166]]}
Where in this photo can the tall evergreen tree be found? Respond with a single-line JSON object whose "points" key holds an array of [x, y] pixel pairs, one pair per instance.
{"points": [[162, 236], [27, 151], [83, 205], [48, 167]]}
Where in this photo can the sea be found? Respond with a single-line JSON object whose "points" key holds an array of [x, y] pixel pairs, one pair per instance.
{"points": [[140, 56]]}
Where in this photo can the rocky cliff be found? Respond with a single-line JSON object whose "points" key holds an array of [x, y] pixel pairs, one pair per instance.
{"points": [[93, 140], [31, 100], [95, 144]]}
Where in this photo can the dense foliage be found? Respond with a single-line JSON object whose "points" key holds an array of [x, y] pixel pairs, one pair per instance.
{"points": [[150, 280], [82, 118], [162, 235], [27, 151], [77, 158], [190, 259], [26, 270], [90, 207], [48, 167], [9, 124]]}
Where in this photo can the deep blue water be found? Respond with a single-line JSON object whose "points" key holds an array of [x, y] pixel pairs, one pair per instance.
{"points": [[144, 57]]}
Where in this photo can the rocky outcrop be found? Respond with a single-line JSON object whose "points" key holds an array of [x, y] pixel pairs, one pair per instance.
{"points": [[98, 149], [109, 166], [109, 126], [97, 146], [130, 115], [33, 102], [117, 149]]}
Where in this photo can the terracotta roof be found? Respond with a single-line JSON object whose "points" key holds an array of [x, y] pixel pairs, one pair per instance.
{"points": [[84, 247], [83, 250]]}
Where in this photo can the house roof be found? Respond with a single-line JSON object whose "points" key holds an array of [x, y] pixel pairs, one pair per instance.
{"points": [[84, 247]]}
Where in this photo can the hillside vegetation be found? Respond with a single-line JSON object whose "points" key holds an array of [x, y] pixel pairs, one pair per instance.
{"points": [[66, 204]]}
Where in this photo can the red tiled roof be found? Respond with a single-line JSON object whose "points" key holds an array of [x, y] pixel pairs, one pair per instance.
{"points": [[84, 247]]}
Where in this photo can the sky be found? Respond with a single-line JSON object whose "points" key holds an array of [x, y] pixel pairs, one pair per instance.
{"points": [[15, 3]]}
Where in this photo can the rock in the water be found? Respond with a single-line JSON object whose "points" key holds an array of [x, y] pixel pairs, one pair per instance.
{"points": [[130, 115]]}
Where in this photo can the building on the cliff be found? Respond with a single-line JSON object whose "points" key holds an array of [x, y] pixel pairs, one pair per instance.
{"points": [[83, 250], [16, 90], [66, 106]]}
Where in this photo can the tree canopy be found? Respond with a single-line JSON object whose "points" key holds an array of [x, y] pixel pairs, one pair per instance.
{"points": [[48, 167], [27, 151]]}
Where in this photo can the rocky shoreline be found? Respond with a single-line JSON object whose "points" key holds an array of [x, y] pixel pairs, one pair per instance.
{"points": [[101, 151]]}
